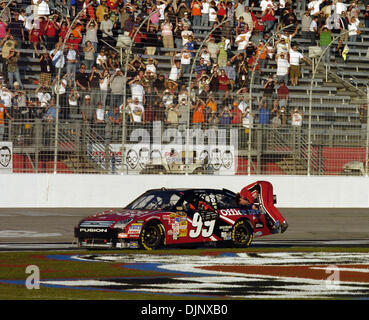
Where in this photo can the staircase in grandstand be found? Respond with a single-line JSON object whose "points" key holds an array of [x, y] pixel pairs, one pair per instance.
{"points": [[84, 148], [293, 150]]}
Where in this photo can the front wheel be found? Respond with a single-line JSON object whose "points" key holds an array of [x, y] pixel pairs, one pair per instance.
{"points": [[242, 234], [151, 236]]}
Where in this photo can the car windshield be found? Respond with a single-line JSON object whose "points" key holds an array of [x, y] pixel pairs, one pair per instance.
{"points": [[156, 200]]}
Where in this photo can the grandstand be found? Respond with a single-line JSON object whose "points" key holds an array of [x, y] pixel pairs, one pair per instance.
{"points": [[336, 125]]}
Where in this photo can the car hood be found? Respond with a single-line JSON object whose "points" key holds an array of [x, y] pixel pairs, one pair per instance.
{"points": [[121, 214]]}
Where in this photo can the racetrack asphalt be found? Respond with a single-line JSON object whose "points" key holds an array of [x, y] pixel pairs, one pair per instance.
{"points": [[30, 225]]}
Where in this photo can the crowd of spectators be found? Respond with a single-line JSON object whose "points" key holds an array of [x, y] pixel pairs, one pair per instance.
{"points": [[92, 80]]}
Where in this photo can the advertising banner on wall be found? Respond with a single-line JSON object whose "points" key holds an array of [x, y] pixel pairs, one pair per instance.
{"points": [[6, 157], [166, 159]]}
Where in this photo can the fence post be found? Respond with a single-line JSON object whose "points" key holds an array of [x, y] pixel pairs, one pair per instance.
{"points": [[187, 152], [250, 94], [58, 87], [367, 133], [128, 54], [314, 69]]}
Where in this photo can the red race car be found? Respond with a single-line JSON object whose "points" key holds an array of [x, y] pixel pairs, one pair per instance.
{"points": [[162, 217]]}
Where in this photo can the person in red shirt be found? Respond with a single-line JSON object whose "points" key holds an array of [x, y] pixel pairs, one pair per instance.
{"points": [[251, 62], [35, 36], [112, 4], [282, 93], [236, 114], [42, 26], [51, 29], [268, 19], [223, 87], [140, 38], [258, 23], [63, 30], [90, 9], [3, 113], [263, 191], [222, 11]]}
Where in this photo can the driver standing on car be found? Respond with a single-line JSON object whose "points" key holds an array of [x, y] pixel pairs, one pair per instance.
{"points": [[264, 191]]}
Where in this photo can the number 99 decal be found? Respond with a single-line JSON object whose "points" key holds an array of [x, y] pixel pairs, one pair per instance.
{"points": [[204, 229]]}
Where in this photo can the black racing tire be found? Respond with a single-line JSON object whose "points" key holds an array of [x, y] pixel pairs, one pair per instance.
{"points": [[152, 236], [242, 234]]}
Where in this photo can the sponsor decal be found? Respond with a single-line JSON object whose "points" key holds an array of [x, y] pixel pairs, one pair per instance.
{"points": [[230, 212], [96, 224], [226, 235], [133, 244], [135, 228], [239, 212], [182, 233], [97, 230]]}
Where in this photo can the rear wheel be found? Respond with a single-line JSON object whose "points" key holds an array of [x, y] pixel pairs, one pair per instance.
{"points": [[241, 234], [151, 236]]}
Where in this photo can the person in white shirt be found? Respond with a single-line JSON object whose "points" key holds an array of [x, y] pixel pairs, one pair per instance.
{"points": [[136, 111], [161, 8], [205, 6], [295, 58], [212, 15], [242, 40], [101, 60], [314, 7], [71, 62], [185, 34], [40, 8], [168, 98], [57, 57], [6, 97], [242, 104], [283, 67], [186, 61], [151, 65], [353, 28], [282, 46], [296, 118], [104, 86], [205, 54], [99, 120], [340, 7], [282, 4], [137, 90], [239, 8], [296, 123], [264, 4], [43, 96], [175, 70], [313, 31]]}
